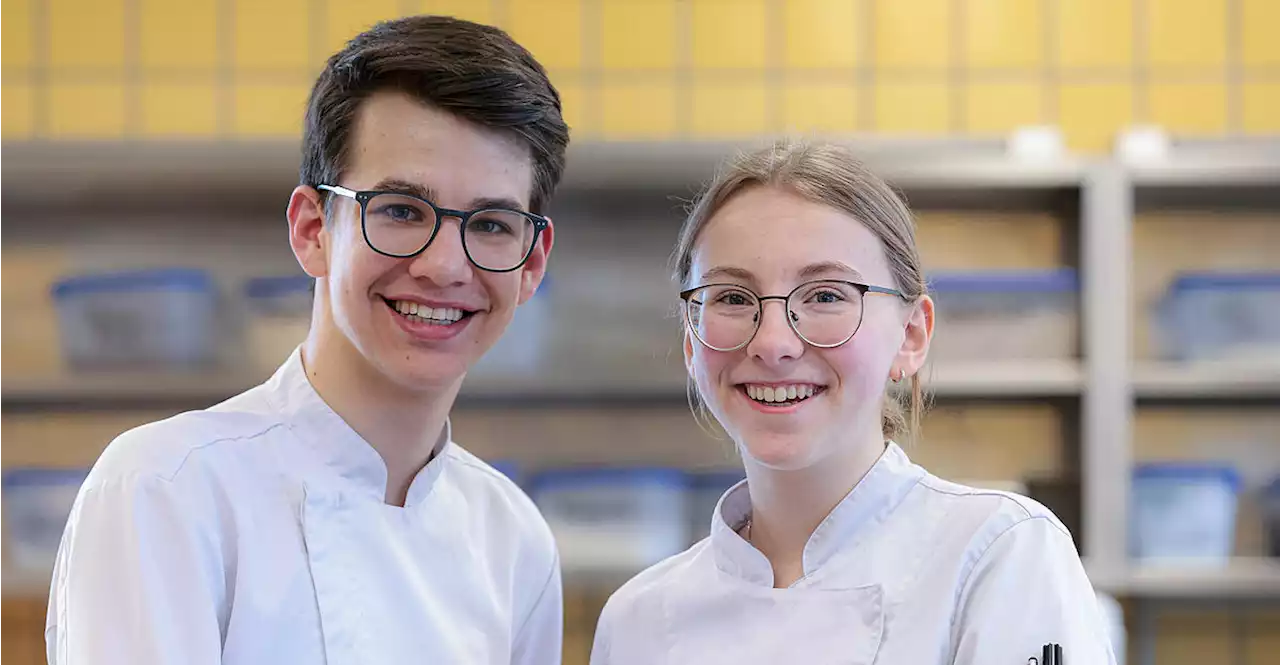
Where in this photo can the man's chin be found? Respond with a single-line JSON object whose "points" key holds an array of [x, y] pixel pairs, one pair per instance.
{"points": [[424, 370]]}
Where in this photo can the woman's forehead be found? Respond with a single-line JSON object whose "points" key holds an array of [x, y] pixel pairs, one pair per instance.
{"points": [[782, 236]]}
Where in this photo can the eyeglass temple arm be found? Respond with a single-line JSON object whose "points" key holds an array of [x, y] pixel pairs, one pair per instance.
{"points": [[886, 291], [339, 190]]}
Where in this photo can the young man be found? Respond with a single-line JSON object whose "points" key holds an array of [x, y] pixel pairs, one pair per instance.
{"points": [[326, 516]]}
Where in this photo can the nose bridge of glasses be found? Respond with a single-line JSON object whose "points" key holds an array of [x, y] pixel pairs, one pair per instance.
{"points": [[788, 316], [787, 313]]}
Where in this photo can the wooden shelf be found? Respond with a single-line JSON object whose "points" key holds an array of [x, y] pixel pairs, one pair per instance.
{"points": [[110, 389], [23, 583], [1003, 379], [1156, 380], [78, 172], [131, 389], [1241, 578]]}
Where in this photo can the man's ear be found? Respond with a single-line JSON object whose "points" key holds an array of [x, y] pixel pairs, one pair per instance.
{"points": [[308, 235], [535, 268]]}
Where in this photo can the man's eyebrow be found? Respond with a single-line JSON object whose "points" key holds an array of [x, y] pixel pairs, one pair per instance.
{"points": [[496, 202], [415, 189], [405, 187]]}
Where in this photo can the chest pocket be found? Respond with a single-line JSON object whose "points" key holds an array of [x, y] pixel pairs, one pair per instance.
{"points": [[770, 626]]}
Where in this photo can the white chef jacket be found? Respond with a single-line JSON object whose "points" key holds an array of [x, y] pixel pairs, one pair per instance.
{"points": [[256, 532], [907, 569]]}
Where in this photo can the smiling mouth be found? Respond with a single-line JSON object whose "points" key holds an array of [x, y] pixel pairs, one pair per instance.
{"points": [[419, 313], [781, 395]]}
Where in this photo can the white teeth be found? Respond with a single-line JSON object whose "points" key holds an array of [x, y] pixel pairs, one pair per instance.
{"points": [[437, 314], [775, 394]]}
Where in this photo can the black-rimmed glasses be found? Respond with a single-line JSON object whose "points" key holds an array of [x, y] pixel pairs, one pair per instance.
{"points": [[401, 226], [824, 313]]}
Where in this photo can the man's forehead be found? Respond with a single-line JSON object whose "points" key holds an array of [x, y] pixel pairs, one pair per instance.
{"points": [[407, 142]]}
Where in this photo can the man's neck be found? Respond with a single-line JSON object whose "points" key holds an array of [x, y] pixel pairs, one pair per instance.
{"points": [[788, 506], [403, 426]]}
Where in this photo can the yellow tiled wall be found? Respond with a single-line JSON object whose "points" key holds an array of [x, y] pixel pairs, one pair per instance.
{"points": [[653, 69]]}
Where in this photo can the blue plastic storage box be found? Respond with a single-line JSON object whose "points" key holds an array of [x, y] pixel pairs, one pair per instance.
{"points": [[521, 351], [507, 468], [1271, 513], [1005, 315], [1207, 316], [616, 519], [278, 317], [280, 295], [705, 490], [1184, 512], [165, 317], [37, 502]]}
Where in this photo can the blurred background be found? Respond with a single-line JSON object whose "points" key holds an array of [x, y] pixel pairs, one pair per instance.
{"points": [[1098, 191]]}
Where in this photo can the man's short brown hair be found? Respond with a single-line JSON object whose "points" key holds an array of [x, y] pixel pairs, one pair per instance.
{"points": [[477, 72]]}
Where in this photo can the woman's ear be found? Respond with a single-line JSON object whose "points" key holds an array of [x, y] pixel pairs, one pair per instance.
{"points": [[915, 343], [688, 353]]}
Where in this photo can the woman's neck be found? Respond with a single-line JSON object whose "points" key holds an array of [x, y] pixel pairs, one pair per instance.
{"points": [[403, 426], [788, 506]]}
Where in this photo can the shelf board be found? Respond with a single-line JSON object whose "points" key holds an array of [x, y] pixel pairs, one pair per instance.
{"points": [[16, 582], [1232, 168], [107, 390], [1168, 380], [909, 164], [1240, 578], [1031, 378], [95, 171]]}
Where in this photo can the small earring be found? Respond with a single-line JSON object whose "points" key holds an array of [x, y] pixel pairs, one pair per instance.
{"points": [[902, 376]]}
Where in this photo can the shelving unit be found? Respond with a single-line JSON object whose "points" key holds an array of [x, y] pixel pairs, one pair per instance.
{"points": [[23, 582], [98, 390], [1106, 381], [1216, 174], [1241, 578], [1164, 380]]}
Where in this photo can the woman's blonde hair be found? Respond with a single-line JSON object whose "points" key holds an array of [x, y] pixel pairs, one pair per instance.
{"points": [[828, 174]]}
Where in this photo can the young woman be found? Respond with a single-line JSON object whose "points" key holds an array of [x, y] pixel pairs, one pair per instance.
{"points": [[803, 300]]}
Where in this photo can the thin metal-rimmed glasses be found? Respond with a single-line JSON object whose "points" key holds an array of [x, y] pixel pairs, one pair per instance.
{"points": [[824, 313], [400, 225]]}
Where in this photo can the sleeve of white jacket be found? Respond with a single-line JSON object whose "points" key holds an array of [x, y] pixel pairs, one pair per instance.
{"points": [[134, 583], [1029, 589], [538, 641], [600, 642]]}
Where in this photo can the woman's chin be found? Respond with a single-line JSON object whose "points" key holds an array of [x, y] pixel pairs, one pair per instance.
{"points": [[780, 452]]}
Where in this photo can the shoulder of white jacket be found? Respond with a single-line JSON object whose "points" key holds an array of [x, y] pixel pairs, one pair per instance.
{"points": [[999, 509], [640, 595], [474, 475], [165, 448]]}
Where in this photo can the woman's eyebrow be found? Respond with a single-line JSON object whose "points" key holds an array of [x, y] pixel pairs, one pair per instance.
{"points": [[828, 267], [728, 271]]}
